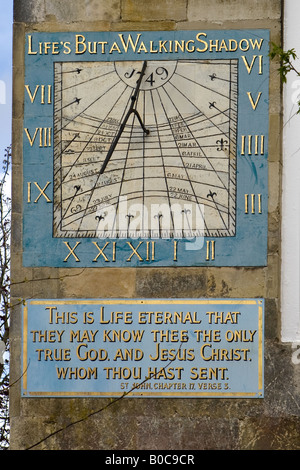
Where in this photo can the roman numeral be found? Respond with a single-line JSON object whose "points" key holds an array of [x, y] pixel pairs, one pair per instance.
{"points": [[250, 66], [254, 104], [44, 135], [44, 92], [210, 250], [253, 204], [41, 191], [71, 251], [253, 145]]}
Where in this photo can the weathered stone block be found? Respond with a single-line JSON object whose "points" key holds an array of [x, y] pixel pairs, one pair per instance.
{"points": [[220, 10], [97, 283], [141, 10], [171, 283]]}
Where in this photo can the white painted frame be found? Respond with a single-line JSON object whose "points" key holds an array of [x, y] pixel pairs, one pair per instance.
{"points": [[290, 267]]}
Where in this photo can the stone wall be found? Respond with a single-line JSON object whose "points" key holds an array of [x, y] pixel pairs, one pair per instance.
{"points": [[270, 423]]}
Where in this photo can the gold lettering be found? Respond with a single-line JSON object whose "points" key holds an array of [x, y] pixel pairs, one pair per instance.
{"points": [[31, 140], [44, 133], [256, 44], [247, 45], [153, 51], [41, 193], [134, 252], [102, 44], [92, 47], [180, 45], [115, 47], [175, 251], [223, 45], [142, 48], [213, 45], [80, 41], [71, 251], [67, 49], [162, 46], [152, 244], [101, 251], [192, 49], [233, 45], [253, 199], [249, 67], [205, 45], [254, 105], [258, 149], [32, 97], [30, 51], [210, 250], [129, 42]]}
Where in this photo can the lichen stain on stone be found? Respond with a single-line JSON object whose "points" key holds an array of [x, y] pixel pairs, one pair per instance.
{"points": [[225, 291], [211, 284]]}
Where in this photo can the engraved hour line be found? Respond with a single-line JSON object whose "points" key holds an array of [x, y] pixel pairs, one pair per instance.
{"points": [[70, 142], [122, 159], [201, 85], [201, 149], [223, 185], [124, 168], [230, 109], [98, 177], [149, 147], [81, 131], [92, 136], [217, 134], [87, 143], [79, 217], [87, 191], [93, 102], [85, 81], [233, 98], [160, 142], [183, 166], [162, 158], [213, 105], [96, 129]]}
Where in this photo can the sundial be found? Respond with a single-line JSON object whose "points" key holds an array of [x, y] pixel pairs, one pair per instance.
{"points": [[183, 168], [156, 156]]}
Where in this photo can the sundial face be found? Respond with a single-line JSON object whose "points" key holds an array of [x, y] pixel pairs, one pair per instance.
{"points": [[146, 149], [179, 180]]}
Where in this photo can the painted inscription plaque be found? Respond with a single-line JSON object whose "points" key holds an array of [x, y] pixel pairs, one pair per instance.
{"points": [[185, 348], [146, 148]]}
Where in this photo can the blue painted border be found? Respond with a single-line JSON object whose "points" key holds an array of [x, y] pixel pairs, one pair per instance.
{"points": [[243, 377], [247, 248]]}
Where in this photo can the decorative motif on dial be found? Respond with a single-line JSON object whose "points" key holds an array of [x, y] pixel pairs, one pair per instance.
{"points": [[185, 168]]}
